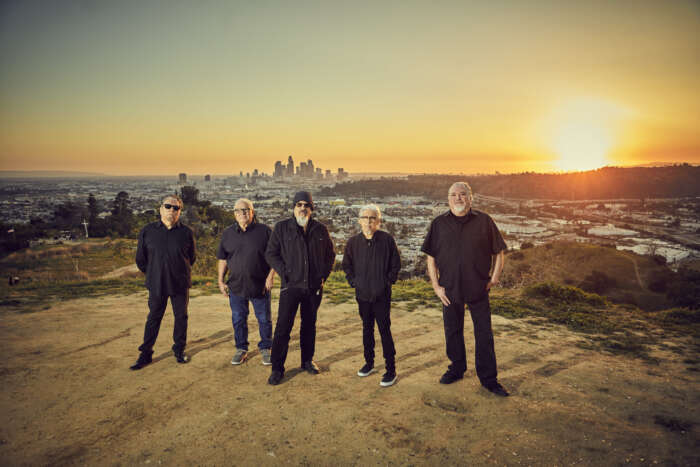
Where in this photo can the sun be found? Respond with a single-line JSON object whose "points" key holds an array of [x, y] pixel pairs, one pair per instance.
{"points": [[582, 134]]}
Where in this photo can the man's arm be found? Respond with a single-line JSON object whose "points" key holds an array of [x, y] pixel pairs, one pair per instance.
{"points": [[497, 268], [273, 253], [347, 264], [395, 262], [193, 249], [269, 281], [141, 253], [222, 267], [434, 273]]}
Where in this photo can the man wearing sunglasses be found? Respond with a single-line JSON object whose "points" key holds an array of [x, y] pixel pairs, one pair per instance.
{"points": [[371, 263], [301, 251], [242, 253], [166, 253]]}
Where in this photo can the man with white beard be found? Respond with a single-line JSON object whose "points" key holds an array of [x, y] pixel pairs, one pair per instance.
{"points": [[465, 258], [301, 251]]}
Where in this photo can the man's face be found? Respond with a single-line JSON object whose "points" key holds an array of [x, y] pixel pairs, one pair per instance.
{"points": [[458, 199], [171, 213], [302, 212], [243, 213], [369, 222]]}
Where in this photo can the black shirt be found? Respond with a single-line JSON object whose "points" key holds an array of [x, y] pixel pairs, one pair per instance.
{"points": [[244, 252], [166, 256], [462, 248], [371, 265]]}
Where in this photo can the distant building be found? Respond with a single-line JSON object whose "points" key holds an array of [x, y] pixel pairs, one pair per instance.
{"points": [[342, 174], [182, 178], [290, 167], [279, 170], [207, 178]]}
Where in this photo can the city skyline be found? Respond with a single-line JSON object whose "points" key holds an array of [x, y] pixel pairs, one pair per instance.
{"points": [[145, 88]]}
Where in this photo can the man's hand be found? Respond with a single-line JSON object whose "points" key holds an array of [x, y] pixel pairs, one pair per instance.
{"points": [[440, 292], [492, 282], [269, 282], [223, 287]]}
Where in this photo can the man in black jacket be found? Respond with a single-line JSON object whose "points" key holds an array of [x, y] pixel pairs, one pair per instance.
{"points": [[166, 253], [301, 251], [371, 263]]}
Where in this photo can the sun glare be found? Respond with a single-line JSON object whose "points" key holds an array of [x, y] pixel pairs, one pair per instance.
{"points": [[582, 134]]}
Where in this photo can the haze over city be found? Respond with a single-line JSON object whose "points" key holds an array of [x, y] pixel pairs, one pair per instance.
{"points": [[139, 88]]}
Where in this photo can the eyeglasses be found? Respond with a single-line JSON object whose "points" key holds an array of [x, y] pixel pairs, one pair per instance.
{"points": [[368, 218], [303, 205], [174, 207], [242, 211]]}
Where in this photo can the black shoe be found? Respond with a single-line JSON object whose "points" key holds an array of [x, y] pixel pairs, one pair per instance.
{"points": [[497, 389], [181, 357], [310, 367], [366, 370], [388, 379], [275, 378], [140, 363], [449, 378]]}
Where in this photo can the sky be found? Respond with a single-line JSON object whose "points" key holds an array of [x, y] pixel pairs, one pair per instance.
{"points": [[160, 87]]}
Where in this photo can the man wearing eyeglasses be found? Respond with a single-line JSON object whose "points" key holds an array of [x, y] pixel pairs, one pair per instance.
{"points": [[301, 251], [166, 253], [465, 258], [242, 253], [371, 263]]}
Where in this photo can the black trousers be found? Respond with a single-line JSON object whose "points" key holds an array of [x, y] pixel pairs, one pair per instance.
{"points": [[157, 305], [290, 300], [378, 311], [453, 317]]}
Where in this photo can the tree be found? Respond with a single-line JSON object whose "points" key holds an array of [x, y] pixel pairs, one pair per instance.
{"points": [[189, 196], [92, 209], [122, 216]]}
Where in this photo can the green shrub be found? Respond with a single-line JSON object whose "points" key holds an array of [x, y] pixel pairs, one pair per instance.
{"points": [[563, 293]]}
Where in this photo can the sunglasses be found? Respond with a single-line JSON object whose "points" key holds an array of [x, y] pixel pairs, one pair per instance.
{"points": [[303, 205], [368, 218], [242, 211], [174, 207]]}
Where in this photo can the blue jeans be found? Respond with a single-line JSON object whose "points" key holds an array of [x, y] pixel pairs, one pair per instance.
{"points": [[239, 317]]}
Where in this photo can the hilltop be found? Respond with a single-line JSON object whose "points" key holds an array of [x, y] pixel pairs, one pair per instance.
{"points": [[593, 382]]}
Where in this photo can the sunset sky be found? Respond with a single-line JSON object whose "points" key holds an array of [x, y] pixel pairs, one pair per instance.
{"points": [[160, 87]]}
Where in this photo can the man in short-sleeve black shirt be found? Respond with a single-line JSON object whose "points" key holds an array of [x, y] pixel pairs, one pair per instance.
{"points": [[242, 253], [461, 245]]}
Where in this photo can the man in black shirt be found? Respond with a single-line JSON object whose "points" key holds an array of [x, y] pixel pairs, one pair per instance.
{"points": [[461, 246], [371, 263], [166, 253], [301, 251], [250, 278]]}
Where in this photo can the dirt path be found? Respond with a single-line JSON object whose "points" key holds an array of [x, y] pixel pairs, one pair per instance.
{"points": [[69, 398]]}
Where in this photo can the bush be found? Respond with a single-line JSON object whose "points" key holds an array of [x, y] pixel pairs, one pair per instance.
{"points": [[516, 255], [563, 293], [684, 291], [526, 245], [680, 316], [597, 282]]}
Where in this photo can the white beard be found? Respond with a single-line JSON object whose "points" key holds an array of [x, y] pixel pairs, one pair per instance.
{"points": [[302, 221], [460, 208]]}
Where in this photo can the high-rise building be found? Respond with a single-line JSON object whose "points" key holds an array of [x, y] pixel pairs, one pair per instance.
{"points": [[182, 178], [207, 178], [290, 167], [279, 170]]}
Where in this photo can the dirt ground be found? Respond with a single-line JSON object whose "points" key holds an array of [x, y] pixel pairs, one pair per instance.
{"points": [[68, 396]]}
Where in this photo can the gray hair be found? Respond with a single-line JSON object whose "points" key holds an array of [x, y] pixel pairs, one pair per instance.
{"points": [[247, 202], [372, 207], [464, 185], [175, 197]]}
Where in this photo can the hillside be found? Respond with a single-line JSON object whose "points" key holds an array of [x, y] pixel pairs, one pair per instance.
{"points": [[592, 382]]}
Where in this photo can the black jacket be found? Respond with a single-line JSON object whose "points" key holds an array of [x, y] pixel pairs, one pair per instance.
{"points": [[371, 265], [166, 256], [244, 252], [289, 254]]}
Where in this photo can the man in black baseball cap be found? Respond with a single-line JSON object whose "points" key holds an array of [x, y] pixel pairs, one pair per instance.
{"points": [[301, 251]]}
